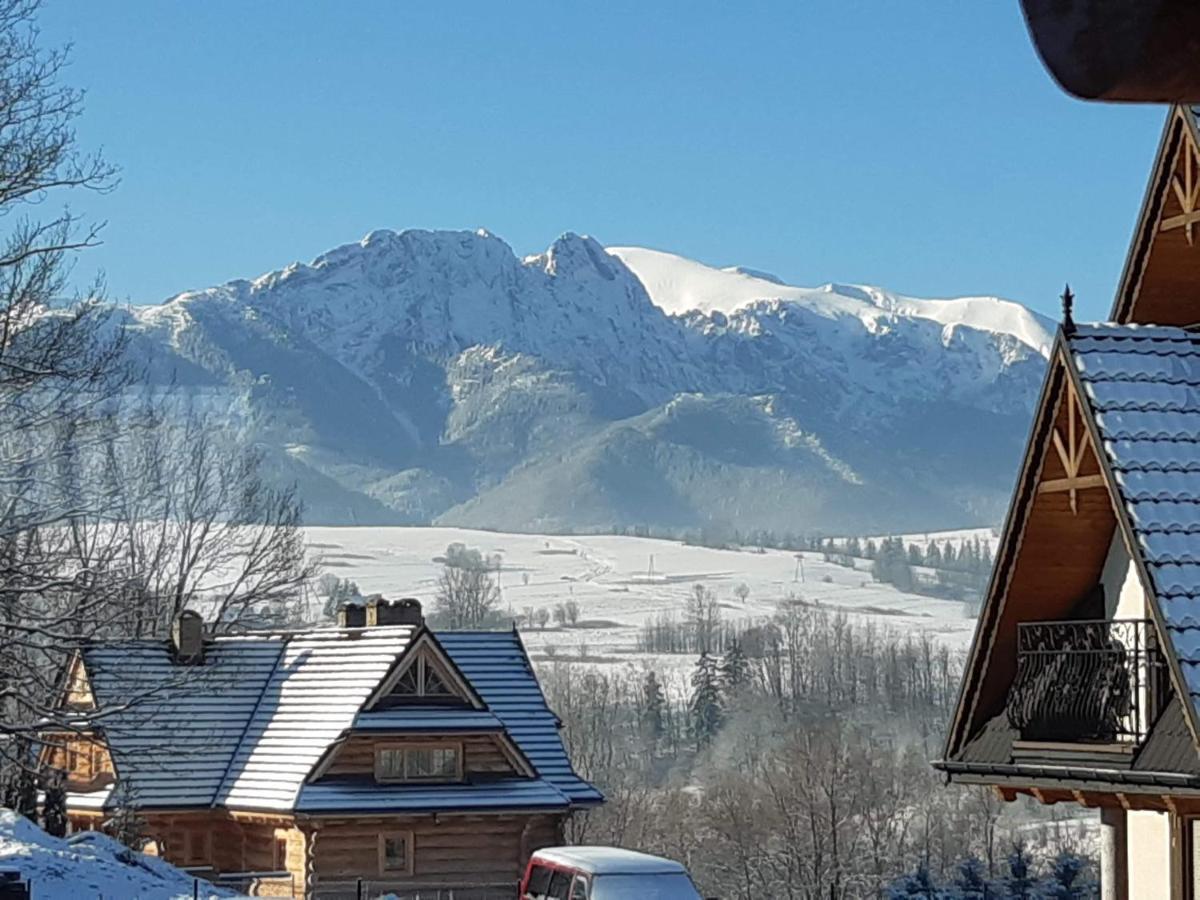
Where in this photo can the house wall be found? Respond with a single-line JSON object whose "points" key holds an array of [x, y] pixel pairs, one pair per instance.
{"points": [[1149, 854], [482, 754], [447, 849], [86, 760], [1124, 597]]}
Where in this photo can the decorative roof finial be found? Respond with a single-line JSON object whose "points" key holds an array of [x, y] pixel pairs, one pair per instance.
{"points": [[1068, 301]]}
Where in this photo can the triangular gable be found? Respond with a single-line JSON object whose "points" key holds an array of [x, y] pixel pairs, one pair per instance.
{"points": [[1161, 280], [424, 673], [1052, 549]]}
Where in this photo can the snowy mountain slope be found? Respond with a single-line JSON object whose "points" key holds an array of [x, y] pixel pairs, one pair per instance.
{"points": [[679, 285], [436, 376]]}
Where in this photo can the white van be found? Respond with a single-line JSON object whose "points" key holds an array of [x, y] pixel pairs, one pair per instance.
{"points": [[604, 873]]}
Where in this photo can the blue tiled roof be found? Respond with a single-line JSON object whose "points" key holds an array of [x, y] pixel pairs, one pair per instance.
{"points": [[427, 719], [1143, 385], [497, 666], [359, 795]]}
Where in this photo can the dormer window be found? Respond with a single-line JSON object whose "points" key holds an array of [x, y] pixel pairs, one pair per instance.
{"points": [[418, 762]]}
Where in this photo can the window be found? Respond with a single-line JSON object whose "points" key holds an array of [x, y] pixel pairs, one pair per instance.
{"points": [[560, 886], [539, 882], [280, 854], [579, 888], [197, 848], [419, 762], [395, 853]]}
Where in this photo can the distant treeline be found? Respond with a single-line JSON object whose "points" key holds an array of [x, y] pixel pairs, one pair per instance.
{"points": [[791, 762]]}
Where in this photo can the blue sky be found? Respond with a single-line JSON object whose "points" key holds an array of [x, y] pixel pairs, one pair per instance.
{"points": [[914, 145]]}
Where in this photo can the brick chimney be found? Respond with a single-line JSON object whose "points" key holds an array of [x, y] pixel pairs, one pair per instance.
{"points": [[187, 638], [394, 612], [351, 615]]}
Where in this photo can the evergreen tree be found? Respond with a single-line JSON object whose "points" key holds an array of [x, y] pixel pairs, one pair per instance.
{"points": [[1068, 879], [970, 883], [126, 823], [54, 804], [916, 884], [1020, 883], [735, 669], [653, 703], [915, 556], [704, 707]]}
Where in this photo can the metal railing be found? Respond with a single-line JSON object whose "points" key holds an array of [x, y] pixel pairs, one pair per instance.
{"points": [[275, 883], [1087, 681]]}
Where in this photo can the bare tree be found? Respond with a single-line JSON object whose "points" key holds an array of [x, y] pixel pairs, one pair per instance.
{"points": [[116, 511], [467, 595]]}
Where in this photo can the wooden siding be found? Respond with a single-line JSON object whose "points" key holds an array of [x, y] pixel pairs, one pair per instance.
{"points": [[1161, 282], [84, 758], [230, 843], [482, 754], [1048, 566], [447, 850]]}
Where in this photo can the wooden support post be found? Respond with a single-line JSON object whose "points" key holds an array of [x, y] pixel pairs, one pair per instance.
{"points": [[1114, 854]]}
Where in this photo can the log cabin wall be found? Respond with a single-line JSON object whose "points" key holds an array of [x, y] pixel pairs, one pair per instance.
{"points": [[482, 754], [447, 849], [85, 760]]}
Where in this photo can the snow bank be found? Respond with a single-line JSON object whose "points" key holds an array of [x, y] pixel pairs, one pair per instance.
{"points": [[89, 865]]}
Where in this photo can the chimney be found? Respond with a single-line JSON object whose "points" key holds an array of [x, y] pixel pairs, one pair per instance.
{"points": [[351, 615], [394, 612], [187, 638]]}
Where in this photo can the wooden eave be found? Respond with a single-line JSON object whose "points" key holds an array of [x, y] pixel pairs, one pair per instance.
{"points": [[1160, 282]]}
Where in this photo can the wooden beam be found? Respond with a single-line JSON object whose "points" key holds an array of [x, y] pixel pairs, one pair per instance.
{"points": [[1077, 483], [1008, 795]]}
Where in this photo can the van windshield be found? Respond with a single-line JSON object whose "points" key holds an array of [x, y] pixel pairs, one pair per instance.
{"points": [[671, 886]]}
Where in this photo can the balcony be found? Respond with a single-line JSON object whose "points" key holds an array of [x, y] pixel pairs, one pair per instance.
{"points": [[1087, 682]]}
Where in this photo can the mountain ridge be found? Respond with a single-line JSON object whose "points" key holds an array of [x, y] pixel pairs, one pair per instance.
{"points": [[434, 376]]}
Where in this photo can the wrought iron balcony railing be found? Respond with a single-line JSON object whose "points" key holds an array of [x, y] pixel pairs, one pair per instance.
{"points": [[1087, 681]]}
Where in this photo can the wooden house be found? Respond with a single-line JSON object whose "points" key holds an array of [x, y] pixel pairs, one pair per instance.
{"points": [[301, 762], [1083, 682]]}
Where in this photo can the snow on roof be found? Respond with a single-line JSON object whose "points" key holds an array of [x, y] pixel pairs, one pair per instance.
{"points": [[89, 864], [497, 666], [1143, 386], [608, 861], [246, 728]]}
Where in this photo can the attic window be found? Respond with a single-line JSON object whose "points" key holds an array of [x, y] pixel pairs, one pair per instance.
{"points": [[418, 762], [423, 680]]}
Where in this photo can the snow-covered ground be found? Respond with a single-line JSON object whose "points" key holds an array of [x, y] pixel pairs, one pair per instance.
{"points": [[89, 866], [622, 582]]}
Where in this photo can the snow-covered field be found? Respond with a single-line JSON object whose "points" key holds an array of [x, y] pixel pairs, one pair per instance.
{"points": [[89, 866], [620, 583]]}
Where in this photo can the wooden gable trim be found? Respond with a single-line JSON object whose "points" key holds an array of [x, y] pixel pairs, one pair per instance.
{"points": [[425, 642], [1011, 538], [1178, 130], [1062, 381], [1178, 682]]}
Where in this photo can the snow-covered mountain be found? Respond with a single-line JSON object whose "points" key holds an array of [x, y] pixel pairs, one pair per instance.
{"points": [[436, 377]]}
